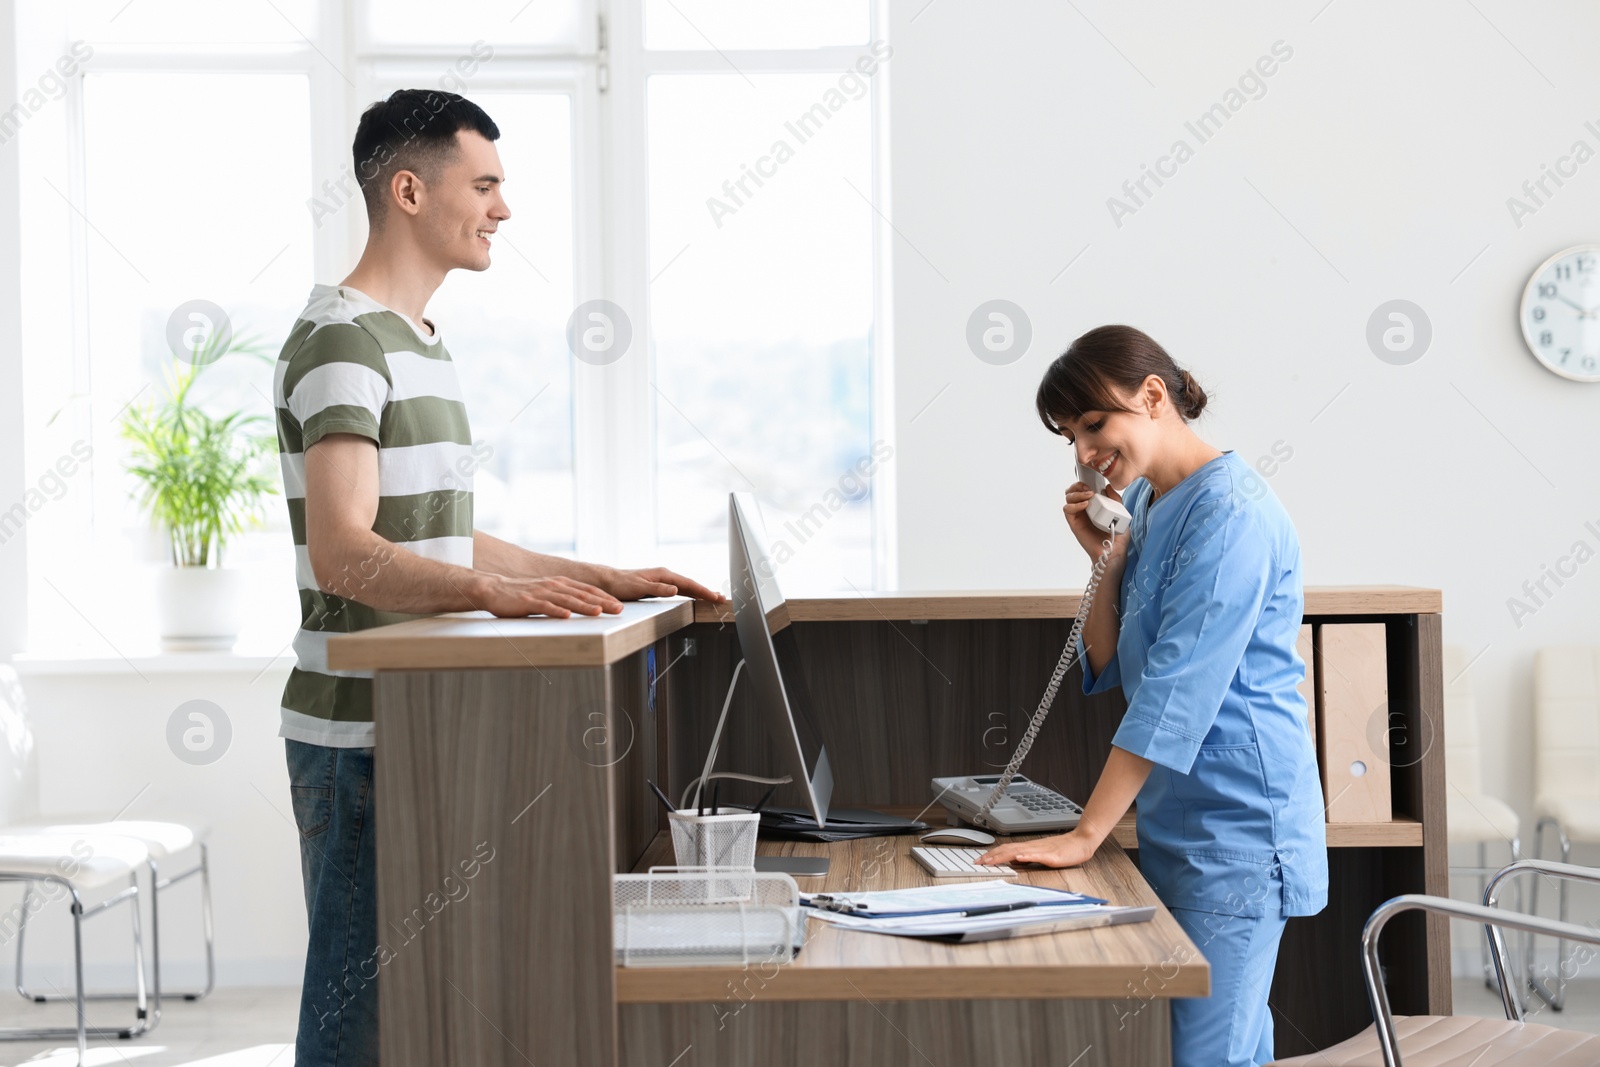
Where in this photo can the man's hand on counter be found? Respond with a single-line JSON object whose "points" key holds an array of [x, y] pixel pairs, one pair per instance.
{"points": [[655, 581], [557, 596]]}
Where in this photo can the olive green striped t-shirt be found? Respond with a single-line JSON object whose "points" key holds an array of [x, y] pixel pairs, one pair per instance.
{"points": [[351, 365]]}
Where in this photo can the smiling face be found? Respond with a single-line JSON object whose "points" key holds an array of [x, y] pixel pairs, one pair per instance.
{"points": [[458, 212], [1121, 444]]}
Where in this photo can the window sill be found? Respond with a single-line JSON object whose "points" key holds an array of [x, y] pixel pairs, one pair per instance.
{"points": [[249, 661]]}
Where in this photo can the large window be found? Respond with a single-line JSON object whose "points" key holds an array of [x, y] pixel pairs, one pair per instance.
{"points": [[153, 213], [200, 153], [761, 307], [506, 329]]}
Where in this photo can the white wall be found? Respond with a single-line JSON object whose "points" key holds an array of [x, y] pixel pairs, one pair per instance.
{"points": [[13, 553], [1391, 140]]}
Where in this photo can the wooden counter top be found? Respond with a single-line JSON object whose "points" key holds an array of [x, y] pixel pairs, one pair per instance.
{"points": [[898, 606], [478, 640], [838, 964]]}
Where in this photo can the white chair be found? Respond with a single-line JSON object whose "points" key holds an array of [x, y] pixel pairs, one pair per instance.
{"points": [[19, 814], [72, 865], [1566, 766], [1471, 815]]}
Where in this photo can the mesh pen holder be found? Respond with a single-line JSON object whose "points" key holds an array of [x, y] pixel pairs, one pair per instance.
{"points": [[726, 838], [676, 916]]}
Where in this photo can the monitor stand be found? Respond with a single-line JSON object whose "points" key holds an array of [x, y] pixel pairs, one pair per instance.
{"points": [[796, 866]]}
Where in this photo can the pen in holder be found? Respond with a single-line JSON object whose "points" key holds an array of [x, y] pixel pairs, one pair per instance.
{"points": [[725, 838]]}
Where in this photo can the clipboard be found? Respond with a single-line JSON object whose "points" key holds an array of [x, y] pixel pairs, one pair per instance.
{"points": [[974, 897]]}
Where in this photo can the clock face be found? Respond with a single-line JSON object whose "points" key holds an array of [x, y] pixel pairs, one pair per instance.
{"points": [[1561, 313]]}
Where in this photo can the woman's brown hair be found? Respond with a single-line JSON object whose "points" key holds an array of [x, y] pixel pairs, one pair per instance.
{"points": [[1081, 378]]}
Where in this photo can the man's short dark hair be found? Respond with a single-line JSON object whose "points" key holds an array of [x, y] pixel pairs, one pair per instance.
{"points": [[415, 130]]}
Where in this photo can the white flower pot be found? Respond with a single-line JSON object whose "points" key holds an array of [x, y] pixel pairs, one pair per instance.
{"points": [[199, 607]]}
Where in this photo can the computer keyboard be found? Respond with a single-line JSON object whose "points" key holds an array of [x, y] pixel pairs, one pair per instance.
{"points": [[957, 863]]}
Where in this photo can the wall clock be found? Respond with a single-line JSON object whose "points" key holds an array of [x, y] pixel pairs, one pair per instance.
{"points": [[1561, 313]]}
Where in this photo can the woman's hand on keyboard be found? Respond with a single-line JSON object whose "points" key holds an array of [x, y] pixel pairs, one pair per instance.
{"points": [[1070, 849]]}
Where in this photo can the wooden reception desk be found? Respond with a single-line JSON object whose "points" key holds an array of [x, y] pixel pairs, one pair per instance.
{"points": [[517, 750]]}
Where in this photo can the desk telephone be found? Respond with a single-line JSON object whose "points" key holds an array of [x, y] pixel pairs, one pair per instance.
{"points": [[1009, 803]]}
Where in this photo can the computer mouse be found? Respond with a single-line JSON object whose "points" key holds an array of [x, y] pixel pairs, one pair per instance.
{"points": [[956, 835]]}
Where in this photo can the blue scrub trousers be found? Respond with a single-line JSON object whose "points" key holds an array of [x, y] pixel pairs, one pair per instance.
{"points": [[1233, 1026]]}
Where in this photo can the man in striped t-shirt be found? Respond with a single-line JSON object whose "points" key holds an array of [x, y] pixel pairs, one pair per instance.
{"points": [[377, 467]]}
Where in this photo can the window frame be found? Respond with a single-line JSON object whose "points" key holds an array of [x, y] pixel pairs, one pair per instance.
{"points": [[606, 78], [632, 482]]}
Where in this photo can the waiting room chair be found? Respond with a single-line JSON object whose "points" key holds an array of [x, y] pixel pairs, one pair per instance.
{"points": [[1472, 816], [1463, 1041], [1566, 766], [74, 866], [158, 841]]}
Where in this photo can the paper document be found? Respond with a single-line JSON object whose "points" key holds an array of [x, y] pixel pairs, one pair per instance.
{"points": [[1026, 923], [933, 899], [965, 912]]}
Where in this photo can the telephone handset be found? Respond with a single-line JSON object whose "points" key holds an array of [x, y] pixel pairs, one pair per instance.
{"points": [[1031, 807], [1108, 516]]}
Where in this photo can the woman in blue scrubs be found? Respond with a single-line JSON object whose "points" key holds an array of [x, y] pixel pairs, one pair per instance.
{"points": [[1196, 618]]}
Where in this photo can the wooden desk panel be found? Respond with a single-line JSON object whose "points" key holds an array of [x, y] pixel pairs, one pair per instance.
{"points": [[868, 1032], [838, 964], [484, 964], [897, 703]]}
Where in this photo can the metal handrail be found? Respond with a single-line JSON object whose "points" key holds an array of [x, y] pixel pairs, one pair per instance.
{"points": [[1378, 996]]}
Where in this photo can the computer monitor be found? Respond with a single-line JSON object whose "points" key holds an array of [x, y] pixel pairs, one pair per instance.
{"points": [[772, 659]]}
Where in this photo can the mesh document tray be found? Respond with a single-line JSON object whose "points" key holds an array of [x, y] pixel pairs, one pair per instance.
{"points": [[677, 916]]}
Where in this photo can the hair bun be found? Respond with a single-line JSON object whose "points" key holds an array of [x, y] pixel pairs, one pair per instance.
{"points": [[1191, 399]]}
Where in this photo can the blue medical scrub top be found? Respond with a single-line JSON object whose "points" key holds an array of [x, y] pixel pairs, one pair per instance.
{"points": [[1231, 817]]}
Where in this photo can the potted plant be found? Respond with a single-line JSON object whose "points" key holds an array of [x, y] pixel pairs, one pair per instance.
{"points": [[201, 478]]}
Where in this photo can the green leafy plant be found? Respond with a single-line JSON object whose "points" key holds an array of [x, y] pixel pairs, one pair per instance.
{"points": [[202, 477]]}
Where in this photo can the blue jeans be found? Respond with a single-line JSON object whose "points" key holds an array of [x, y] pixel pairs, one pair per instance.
{"points": [[1233, 1026], [331, 789]]}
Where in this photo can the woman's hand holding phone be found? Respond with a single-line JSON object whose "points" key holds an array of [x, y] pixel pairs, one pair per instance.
{"points": [[1091, 537]]}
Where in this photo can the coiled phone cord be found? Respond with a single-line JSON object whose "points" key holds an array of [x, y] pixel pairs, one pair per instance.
{"points": [[1068, 656]]}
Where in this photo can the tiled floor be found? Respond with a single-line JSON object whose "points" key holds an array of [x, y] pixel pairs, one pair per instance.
{"points": [[255, 1028], [1582, 1010], [230, 1028]]}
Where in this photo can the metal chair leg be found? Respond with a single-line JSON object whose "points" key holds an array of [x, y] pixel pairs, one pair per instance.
{"points": [[80, 1032], [1517, 992], [157, 887], [153, 1016], [207, 926], [205, 921], [1554, 994], [1483, 945], [22, 932], [155, 945], [142, 1009]]}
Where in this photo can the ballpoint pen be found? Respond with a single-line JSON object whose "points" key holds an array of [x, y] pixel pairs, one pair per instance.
{"points": [[763, 801], [656, 789], [999, 908]]}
